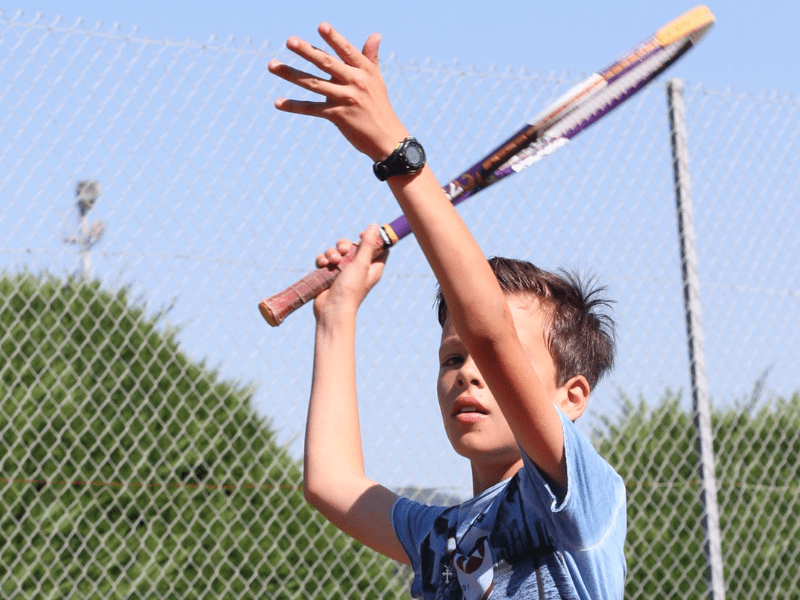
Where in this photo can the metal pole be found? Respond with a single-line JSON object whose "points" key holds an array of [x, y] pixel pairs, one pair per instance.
{"points": [[83, 240], [694, 332]]}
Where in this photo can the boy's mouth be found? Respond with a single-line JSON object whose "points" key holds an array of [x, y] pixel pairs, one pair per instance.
{"points": [[469, 408]]}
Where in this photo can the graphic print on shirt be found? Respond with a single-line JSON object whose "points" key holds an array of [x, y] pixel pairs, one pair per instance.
{"points": [[475, 572], [516, 559]]}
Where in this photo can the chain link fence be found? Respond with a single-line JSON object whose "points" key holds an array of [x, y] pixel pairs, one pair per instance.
{"points": [[152, 422]]}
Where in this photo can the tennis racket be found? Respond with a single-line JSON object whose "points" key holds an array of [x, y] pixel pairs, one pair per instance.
{"points": [[573, 112]]}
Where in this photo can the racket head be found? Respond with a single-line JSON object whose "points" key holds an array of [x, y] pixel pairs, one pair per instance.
{"points": [[602, 92], [579, 107]]}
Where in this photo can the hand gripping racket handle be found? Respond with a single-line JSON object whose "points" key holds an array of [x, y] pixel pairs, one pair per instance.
{"points": [[279, 306]]}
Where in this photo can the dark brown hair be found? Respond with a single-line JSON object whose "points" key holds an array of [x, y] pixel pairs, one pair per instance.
{"points": [[580, 333]]}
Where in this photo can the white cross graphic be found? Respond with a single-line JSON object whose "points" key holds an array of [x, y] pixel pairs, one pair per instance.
{"points": [[447, 572]]}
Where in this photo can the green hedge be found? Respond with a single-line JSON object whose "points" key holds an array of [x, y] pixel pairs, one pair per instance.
{"points": [[141, 473], [757, 451]]}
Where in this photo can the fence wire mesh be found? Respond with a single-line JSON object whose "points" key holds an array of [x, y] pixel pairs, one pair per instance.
{"points": [[151, 420]]}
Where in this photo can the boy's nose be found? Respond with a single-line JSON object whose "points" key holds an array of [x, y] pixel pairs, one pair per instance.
{"points": [[469, 374]]}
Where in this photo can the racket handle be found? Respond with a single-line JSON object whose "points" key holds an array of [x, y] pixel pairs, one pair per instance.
{"points": [[279, 306]]}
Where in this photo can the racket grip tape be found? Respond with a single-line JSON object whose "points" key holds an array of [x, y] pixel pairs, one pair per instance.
{"points": [[279, 306]]}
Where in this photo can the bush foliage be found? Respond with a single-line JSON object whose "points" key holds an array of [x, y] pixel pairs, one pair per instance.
{"points": [[757, 457], [131, 471]]}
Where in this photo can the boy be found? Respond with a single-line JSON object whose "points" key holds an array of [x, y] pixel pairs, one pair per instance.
{"points": [[519, 354]]}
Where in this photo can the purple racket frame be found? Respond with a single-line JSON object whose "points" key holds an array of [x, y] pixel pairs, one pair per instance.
{"points": [[572, 113]]}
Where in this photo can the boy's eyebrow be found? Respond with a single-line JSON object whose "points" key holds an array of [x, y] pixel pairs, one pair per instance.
{"points": [[450, 340]]}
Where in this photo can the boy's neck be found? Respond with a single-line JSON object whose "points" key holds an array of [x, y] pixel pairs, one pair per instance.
{"points": [[485, 476]]}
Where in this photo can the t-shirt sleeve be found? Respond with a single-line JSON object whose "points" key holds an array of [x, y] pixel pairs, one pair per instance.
{"points": [[590, 521], [595, 497], [412, 521]]}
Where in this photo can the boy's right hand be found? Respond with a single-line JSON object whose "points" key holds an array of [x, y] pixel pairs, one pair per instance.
{"points": [[356, 279], [355, 96]]}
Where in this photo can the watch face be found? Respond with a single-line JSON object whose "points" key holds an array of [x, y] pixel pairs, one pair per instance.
{"points": [[408, 157], [414, 155]]}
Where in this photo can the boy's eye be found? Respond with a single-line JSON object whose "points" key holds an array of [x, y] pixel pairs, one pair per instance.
{"points": [[453, 360]]}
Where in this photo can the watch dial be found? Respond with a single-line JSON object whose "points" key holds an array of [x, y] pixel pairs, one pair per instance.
{"points": [[413, 156]]}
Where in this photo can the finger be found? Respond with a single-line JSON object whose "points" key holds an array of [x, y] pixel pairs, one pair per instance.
{"points": [[301, 107], [381, 250], [344, 49], [370, 246], [322, 261], [371, 48], [343, 246], [333, 256], [305, 80], [295, 76], [317, 57]]}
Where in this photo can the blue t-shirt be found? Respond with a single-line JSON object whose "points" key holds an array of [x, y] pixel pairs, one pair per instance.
{"points": [[516, 540]]}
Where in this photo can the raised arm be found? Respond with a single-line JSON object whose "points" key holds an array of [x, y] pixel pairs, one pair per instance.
{"points": [[334, 481], [482, 318], [356, 102]]}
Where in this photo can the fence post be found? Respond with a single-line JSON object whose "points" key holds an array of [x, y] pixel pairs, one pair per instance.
{"points": [[694, 332]]}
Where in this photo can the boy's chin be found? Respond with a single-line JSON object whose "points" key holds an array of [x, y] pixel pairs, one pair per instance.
{"points": [[482, 451]]}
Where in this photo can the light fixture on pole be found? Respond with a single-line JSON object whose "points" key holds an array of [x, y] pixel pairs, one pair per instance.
{"points": [[87, 193]]}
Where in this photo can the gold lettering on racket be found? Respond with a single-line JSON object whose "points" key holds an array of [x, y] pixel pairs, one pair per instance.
{"points": [[507, 150], [626, 62]]}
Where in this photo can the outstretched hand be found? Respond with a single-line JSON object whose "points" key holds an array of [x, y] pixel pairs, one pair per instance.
{"points": [[357, 278], [356, 99]]}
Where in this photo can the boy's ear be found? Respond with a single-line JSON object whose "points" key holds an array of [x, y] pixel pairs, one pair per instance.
{"points": [[574, 396]]}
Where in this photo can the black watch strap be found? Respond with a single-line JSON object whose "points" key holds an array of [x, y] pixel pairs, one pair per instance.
{"points": [[408, 157]]}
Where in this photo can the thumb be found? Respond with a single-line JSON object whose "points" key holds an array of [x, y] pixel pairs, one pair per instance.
{"points": [[370, 245], [371, 48]]}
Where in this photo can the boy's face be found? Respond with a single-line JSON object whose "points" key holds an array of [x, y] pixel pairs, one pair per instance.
{"points": [[472, 418]]}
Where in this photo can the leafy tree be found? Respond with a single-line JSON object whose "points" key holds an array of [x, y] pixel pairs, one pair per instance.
{"points": [[757, 452], [131, 471]]}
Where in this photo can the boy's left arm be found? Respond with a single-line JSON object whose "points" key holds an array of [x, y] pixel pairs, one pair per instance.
{"points": [[356, 101]]}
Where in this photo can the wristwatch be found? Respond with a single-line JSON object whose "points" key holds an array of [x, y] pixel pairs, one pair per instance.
{"points": [[408, 157]]}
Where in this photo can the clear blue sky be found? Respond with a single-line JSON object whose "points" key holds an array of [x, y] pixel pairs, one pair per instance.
{"points": [[751, 50], [754, 48]]}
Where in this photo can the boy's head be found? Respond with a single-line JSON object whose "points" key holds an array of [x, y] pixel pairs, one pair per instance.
{"points": [[578, 331]]}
